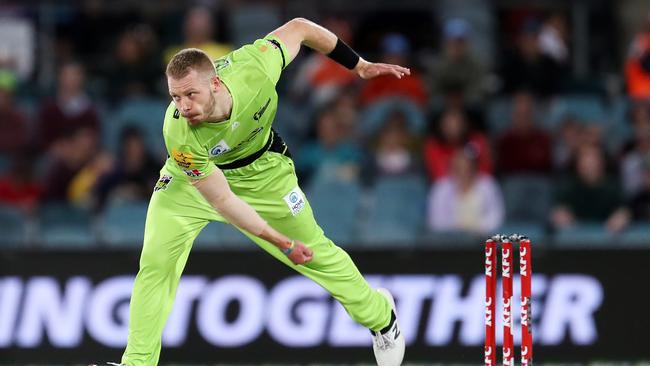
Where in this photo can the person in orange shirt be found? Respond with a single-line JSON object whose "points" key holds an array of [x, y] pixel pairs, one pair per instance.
{"points": [[637, 65]]}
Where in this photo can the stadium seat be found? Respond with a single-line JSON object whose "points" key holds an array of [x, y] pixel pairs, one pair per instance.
{"points": [[62, 225], [145, 114], [123, 224], [252, 21], [527, 198], [637, 235], [397, 212], [336, 205], [13, 227], [375, 115], [451, 239], [584, 236], [587, 108]]}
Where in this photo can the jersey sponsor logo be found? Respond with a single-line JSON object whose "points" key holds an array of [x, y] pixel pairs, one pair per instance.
{"points": [[295, 200], [220, 148], [261, 111], [183, 159], [177, 114], [234, 125], [193, 173], [221, 63], [162, 183]]}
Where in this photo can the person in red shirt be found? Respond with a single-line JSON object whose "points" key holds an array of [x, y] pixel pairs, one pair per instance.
{"points": [[395, 49], [14, 127], [637, 64], [524, 148], [18, 187], [453, 133]]}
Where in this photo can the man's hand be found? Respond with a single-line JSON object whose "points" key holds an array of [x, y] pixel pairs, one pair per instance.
{"points": [[369, 70], [300, 253]]}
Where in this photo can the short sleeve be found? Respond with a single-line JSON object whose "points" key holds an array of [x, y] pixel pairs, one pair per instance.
{"points": [[193, 162], [271, 55]]}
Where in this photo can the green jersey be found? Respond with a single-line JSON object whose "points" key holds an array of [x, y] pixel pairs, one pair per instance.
{"points": [[250, 73]]}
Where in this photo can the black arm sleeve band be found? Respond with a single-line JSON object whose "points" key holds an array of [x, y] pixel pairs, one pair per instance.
{"points": [[344, 55]]}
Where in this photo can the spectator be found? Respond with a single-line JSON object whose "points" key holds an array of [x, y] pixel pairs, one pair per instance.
{"points": [[134, 71], [524, 148], [458, 70], [70, 110], [19, 187], [68, 155], [590, 195], [453, 133], [14, 129], [566, 144], [637, 64], [526, 67], [396, 49], [632, 174], [332, 155], [199, 32], [18, 42], [466, 200], [319, 77], [134, 175], [640, 204], [394, 153], [553, 39]]}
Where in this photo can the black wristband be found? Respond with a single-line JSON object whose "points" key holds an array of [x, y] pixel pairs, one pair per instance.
{"points": [[344, 55]]}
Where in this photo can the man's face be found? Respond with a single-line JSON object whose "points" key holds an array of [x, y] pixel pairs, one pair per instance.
{"points": [[193, 95]]}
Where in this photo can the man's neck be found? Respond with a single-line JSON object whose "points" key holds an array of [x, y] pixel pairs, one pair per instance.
{"points": [[222, 108]]}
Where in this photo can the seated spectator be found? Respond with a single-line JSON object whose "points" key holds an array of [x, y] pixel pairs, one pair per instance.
{"points": [[526, 67], [453, 133], [199, 31], [14, 128], [395, 50], [632, 174], [466, 200], [640, 204], [524, 148], [134, 70], [637, 64], [553, 39], [590, 195], [394, 151], [70, 110], [68, 155], [133, 175], [458, 70], [319, 77], [332, 155], [19, 187]]}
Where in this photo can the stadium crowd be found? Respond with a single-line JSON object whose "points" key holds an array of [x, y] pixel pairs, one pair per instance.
{"points": [[461, 146]]}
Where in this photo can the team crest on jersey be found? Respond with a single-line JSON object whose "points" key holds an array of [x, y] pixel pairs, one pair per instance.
{"points": [[183, 159], [194, 173], [220, 148], [295, 200], [162, 183]]}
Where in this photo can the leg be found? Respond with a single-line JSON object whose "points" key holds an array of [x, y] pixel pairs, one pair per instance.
{"points": [[170, 230], [264, 185]]}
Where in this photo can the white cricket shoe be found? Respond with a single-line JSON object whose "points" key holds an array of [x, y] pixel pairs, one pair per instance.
{"points": [[389, 345]]}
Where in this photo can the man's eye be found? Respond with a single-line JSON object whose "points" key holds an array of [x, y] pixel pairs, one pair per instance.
{"points": [[191, 93]]}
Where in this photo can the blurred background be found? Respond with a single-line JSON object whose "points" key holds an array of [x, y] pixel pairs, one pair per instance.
{"points": [[528, 117]]}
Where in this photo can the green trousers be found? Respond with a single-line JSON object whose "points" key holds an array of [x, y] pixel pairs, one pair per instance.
{"points": [[177, 213]]}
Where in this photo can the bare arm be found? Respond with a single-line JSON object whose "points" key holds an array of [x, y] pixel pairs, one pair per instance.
{"points": [[215, 189], [299, 31]]}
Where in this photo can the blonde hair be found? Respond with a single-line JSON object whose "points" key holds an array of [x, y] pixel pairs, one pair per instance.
{"points": [[189, 59]]}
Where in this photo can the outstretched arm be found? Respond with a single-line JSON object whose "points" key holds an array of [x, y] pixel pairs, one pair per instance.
{"points": [[215, 189], [299, 31]]}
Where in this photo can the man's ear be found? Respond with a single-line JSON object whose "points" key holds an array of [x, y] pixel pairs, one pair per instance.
{"points": [[215, 83]]}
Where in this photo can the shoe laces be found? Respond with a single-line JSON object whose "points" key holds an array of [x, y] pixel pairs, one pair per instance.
{"points": [[384, 341]]}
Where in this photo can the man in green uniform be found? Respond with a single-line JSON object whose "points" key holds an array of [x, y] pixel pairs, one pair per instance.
{"points": [[227, 164]]}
